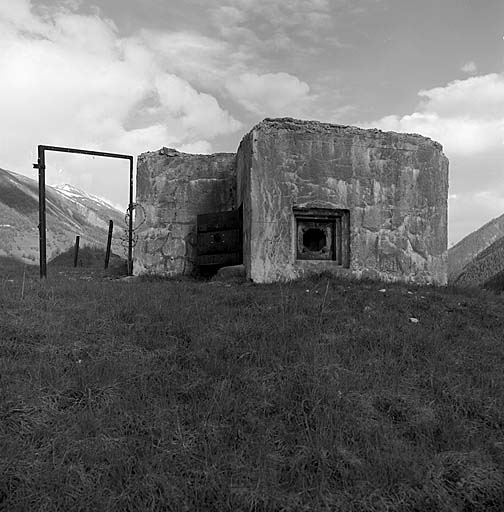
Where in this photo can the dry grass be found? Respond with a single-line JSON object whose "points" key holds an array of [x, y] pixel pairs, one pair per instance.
{"points": [[305, 396]]}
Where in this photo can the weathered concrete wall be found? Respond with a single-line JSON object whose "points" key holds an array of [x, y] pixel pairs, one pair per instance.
{"points": [[174, 188], [243, 185], [395, 187]]}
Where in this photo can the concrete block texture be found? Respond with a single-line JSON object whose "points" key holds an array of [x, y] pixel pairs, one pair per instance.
{"points": [[174, 188], [393, 186]]}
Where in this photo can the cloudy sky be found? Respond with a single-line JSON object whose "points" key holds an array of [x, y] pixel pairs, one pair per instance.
{"points": [[131, 76]]}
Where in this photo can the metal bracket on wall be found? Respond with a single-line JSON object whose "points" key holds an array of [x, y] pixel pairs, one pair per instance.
{"points": [[40, 165]]}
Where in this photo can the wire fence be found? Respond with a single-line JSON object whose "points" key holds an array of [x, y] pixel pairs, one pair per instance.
{"points": [[139, 216]]}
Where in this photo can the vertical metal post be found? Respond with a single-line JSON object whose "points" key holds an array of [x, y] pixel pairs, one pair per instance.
{"points": [[76, 250], [109, 243], [130, 227], [42, 211]]}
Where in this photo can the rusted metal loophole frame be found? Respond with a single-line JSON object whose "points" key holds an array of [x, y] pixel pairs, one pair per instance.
{"points": [[333, 226]]}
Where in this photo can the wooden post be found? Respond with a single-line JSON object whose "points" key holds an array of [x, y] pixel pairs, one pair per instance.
{"points": [[76, 250], [109, 243]]}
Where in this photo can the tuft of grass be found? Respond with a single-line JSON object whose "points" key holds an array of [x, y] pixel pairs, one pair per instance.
{"points": [[313, 395]]}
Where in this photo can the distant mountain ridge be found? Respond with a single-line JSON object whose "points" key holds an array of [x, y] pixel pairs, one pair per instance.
{"points": [[69, 212], [468, 249]]}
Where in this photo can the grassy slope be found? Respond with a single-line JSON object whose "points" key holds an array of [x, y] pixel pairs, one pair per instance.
{"points": [[89, 257], [313, 395]]}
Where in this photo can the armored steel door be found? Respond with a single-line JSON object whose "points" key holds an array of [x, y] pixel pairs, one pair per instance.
{"points": [[220, 238]]}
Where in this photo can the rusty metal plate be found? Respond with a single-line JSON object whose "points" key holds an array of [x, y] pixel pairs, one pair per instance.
{"points": [[214, 242], [221, 260], [219, 239], [220, 221]]}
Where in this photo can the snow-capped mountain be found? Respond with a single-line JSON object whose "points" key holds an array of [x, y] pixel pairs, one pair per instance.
{"points": [[79, 196], [69, 211]]}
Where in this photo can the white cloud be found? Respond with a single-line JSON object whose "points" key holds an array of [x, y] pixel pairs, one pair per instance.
{"points": [[278, 12], [201, 147], [199, 59], [271, 94], [466, 116], [71, 80], [199, 114], [458, 135], [479, 97], [226, 69], [469, 67], [267, 25], [228, 15], [18, 15]]}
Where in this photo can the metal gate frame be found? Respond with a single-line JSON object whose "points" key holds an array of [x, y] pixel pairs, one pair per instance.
{"points": [[40, 165]]}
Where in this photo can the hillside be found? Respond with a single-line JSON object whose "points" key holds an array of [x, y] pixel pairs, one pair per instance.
{"points": [[69, 212], [485, 269], [318, 395], [90, 259], [470, 246]]}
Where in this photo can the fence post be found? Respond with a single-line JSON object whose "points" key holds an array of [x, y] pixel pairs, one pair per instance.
{"points": [[76, 250], [109, 243]]}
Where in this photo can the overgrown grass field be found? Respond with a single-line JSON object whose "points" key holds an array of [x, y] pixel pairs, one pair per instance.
{"points": [[320, 394]]}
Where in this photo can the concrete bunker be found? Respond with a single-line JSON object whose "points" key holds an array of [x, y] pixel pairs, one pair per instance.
{"points": [[311, 197]]}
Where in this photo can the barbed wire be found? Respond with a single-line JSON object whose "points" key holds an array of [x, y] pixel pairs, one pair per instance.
{"points": [[136, 225]]}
